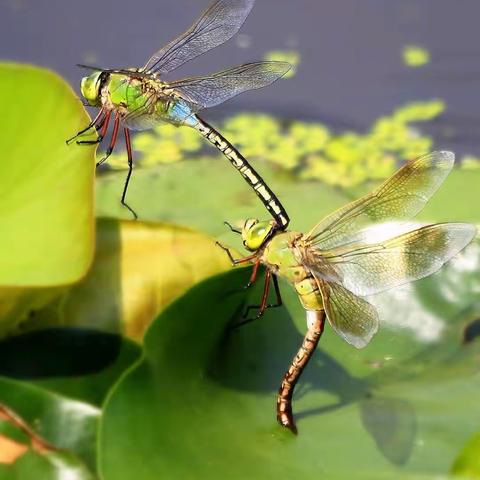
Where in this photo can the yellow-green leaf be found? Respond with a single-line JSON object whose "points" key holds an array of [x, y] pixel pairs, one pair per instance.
{"points": [[46, 205], [138, 269]]}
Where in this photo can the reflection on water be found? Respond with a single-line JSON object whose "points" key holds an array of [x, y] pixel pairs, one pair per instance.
{"points": [[401, 308], [393, 426]]}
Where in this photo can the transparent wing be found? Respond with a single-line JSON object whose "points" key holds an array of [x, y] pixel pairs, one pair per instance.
{"points": [[140, 120], [220, 22], [353, 318], [400, 197], [217, 88], [367, 269]]}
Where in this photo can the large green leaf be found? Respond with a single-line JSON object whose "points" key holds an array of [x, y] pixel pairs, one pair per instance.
{"points": [[47, 199], [25, 454], [78, 364], [65, 423], [139, 268], [46, 466], [57, 381], [203, 193], [201, 403]]}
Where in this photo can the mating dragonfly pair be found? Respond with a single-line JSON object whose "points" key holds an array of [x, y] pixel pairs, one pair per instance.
{"points": [[340, 261]]}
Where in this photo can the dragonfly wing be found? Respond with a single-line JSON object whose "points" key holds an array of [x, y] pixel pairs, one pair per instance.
{"points": [[139, 122], [215, 89], [367, 269], [220, 22], [352, 317], [400, 197]]}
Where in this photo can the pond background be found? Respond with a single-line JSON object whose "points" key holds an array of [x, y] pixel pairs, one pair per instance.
{"points": [[406, 406], [351, 69]]}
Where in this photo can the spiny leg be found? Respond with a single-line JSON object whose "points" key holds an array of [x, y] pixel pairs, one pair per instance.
{"points": [[130, 168], [113, 140], [264, 306], [253, 276], [290, 379], [236, 261], [100, 124], [101, 135], [87, 128], [256, 266]]}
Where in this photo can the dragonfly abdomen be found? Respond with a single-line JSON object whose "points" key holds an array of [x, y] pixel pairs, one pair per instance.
{"points": [[300, 361], [309, 293], [266, 195]]}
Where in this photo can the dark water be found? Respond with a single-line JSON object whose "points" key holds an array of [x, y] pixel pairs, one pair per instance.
{"points": [[351, 70]]}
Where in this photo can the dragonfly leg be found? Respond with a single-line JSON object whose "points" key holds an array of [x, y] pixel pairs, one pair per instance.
{"points": [[236, 261], [99, 125], [129, 174], [253, 276], [92, 124], [264, 306], [102, 132], [300, 361], [113, 140]]}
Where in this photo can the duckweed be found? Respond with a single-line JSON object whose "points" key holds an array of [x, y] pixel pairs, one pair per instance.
{"points": [[308, 151], [415, 56]]}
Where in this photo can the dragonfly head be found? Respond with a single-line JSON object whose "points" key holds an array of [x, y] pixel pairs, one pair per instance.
{"points": [[255, 233], [91, 88]]}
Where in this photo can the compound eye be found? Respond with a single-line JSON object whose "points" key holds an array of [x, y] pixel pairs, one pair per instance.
{"points": [[90, 88]]}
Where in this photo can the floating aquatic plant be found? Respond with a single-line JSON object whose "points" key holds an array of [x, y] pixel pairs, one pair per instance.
{"points": [[307, 150], [415, 56]]}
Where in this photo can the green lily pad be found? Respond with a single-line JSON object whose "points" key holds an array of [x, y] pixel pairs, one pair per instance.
{"points": [[79, 364], [204, 396], [47, 190], [205, 192], [51, 466]]}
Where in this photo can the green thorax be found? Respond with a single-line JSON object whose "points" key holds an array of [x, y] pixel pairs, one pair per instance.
{"points": [[283, 256], [280, 254], [133, 94], [147, 100]]}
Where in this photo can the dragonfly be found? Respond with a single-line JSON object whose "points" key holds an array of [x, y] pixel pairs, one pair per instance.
{"points": [[140, 98], [351, 254]]}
